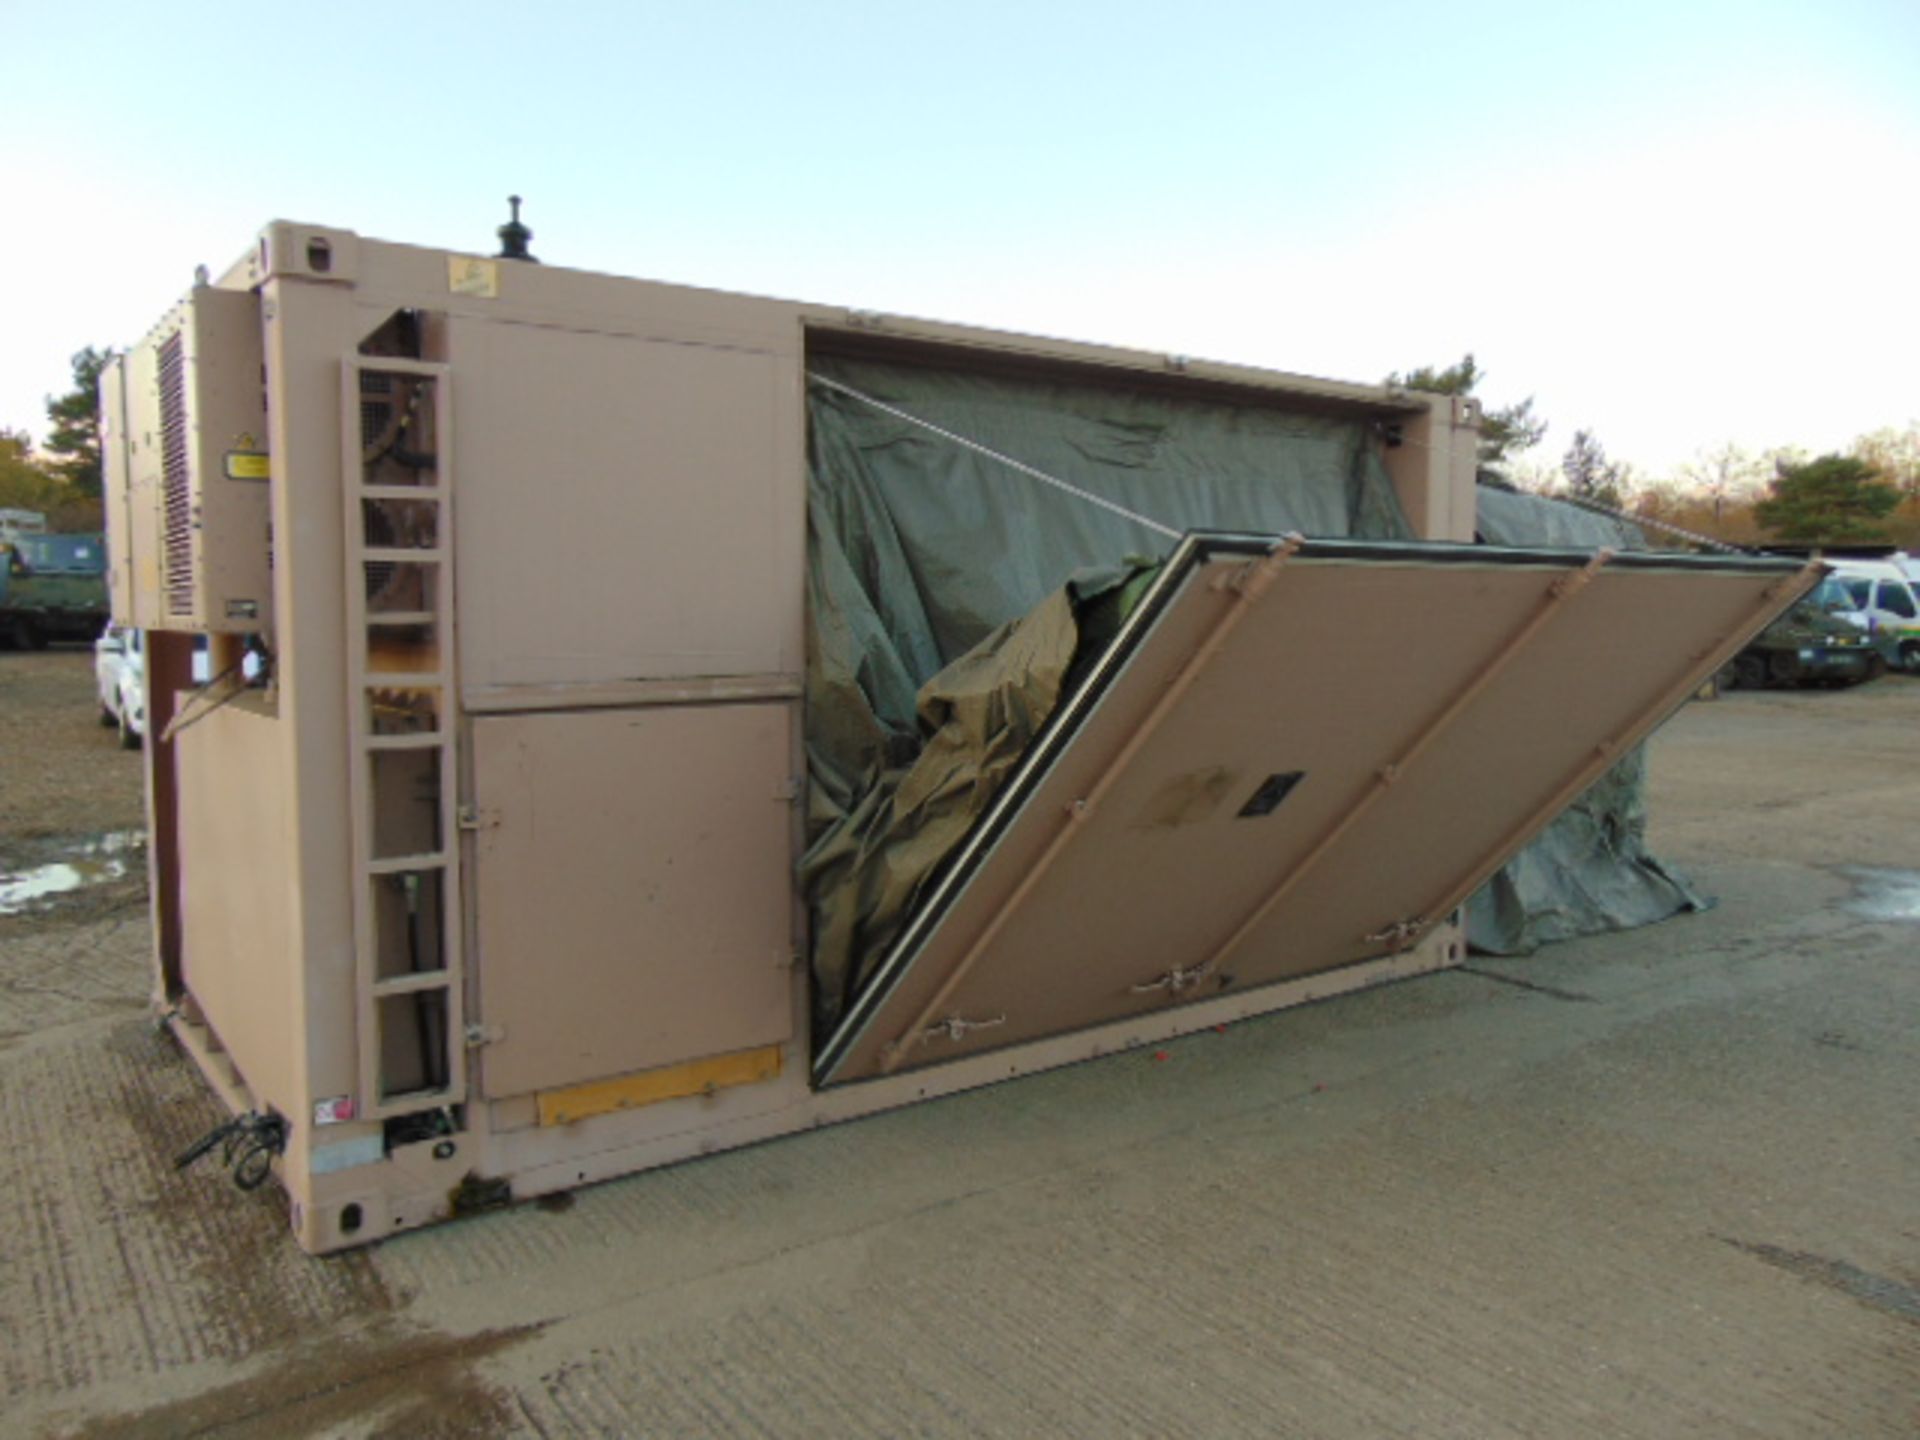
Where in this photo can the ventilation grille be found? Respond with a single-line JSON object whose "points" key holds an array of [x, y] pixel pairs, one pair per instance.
{"points": [[176, 484]]}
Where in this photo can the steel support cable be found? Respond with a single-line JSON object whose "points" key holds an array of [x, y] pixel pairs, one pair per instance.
{"points": [[965, 444], [185, 718], [1706, 541]]}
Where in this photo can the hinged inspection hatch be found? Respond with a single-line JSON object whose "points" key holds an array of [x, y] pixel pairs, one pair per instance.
{"points": [[1295, 756]]}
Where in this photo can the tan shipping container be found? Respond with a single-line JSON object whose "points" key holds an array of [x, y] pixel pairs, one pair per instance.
{"points": [[492, 890]]}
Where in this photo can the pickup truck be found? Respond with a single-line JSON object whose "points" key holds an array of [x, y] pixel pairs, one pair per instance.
{"points": [[52, 587]]}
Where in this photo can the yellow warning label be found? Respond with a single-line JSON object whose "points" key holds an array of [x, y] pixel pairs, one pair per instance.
{"points": [[247, 465], [469, 275]]}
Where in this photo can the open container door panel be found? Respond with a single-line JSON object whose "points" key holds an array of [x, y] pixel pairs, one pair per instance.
{"points": [[1296, 756]]}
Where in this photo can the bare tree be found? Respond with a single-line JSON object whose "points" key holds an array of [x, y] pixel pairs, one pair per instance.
{"points": [[1725, 475], [1895, 453]]}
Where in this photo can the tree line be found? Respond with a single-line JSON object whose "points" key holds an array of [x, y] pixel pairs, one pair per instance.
{"points": [[1866, 494], [63, 482]]}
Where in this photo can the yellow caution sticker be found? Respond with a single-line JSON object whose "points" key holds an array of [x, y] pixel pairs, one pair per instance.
{"points": [[470, 275], [248, 465]]}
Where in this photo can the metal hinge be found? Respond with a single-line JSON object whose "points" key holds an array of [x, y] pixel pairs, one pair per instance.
{"points": [[1398, 933], [472, 817], [1175, 980], [956, 1028], [478, 1035]]}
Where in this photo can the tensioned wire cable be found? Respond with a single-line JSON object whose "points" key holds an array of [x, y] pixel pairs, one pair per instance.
{"points": [[1704, 541], [1012, 464]]}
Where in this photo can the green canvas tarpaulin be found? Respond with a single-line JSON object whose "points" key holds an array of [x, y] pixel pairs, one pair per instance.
{"points": [[1506, 517], [1589, 871]]}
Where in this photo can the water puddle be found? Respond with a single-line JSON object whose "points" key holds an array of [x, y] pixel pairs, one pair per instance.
{"points": [[92, 861], [1884, 894]]}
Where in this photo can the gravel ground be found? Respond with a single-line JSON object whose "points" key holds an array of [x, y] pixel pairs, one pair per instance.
{"points": [[1652, 1184], [65, 776], [69, 795]]}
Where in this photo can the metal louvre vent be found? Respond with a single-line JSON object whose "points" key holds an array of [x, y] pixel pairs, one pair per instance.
{"points": [[176, 484], [196, 479]]}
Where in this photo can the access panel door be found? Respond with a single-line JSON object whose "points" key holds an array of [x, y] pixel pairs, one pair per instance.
{"points": [[631, 508], [633, 892], [1296, 756]]}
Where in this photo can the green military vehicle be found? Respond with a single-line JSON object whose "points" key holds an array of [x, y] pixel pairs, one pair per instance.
{"points": [[1820, 641], [52, 587]]}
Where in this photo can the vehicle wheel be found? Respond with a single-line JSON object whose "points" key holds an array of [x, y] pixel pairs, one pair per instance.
{"points": [[107, 718], [1784, 670], [1750, 671], [1876, 667], [129, 737], [1910, 657], [27, 636]]}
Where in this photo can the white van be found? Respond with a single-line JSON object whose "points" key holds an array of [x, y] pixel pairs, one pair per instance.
{"points": [[1882, 592]]}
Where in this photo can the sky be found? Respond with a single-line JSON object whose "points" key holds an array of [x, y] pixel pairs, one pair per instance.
{"points": [[1673, 224]]}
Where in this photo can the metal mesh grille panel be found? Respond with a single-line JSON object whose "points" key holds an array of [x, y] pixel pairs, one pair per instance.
{"points": [[176, 485], [379, 415]]}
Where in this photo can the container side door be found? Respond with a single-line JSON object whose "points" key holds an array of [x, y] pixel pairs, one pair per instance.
{"points": [[633, 899]]}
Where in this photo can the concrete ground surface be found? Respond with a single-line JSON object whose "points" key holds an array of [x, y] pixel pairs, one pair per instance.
{"points": [[1664, 1183]]}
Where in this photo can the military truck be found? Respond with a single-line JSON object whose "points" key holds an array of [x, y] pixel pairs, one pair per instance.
{"points": [[1819, 641], [14, 523], [52, 587]]}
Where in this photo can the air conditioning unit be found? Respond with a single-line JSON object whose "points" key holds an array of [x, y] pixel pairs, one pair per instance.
{"points": [[188, 523]]}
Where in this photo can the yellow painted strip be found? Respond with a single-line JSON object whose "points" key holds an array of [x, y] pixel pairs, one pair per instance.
{"points": [[650, 1087]]}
